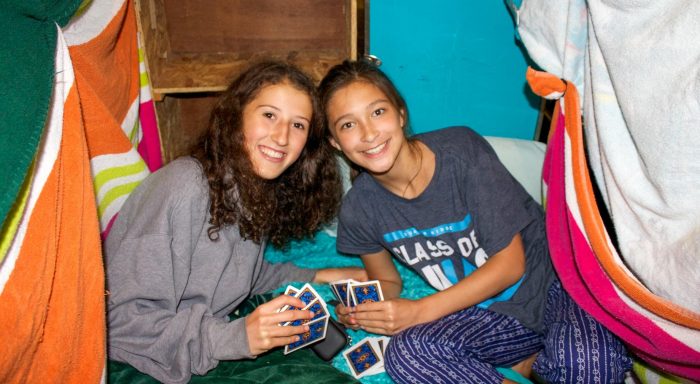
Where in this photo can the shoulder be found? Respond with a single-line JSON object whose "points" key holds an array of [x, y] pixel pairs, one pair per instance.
{"points": [[355, 200], [361, 186], [181, 176], [460, 141], [181, 180], [180, 170]]}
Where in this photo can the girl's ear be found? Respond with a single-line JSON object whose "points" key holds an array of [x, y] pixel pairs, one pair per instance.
{"points": [[334, 143], [402, 118]]}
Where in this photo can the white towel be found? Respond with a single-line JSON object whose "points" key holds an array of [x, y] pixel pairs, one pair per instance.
{"points": [[637, 64]]}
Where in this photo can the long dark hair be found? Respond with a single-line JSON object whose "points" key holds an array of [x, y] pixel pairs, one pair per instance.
{"points": [[292, 206]]}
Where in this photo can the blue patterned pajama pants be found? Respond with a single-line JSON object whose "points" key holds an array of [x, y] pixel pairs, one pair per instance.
{"points": [[466, 346]]}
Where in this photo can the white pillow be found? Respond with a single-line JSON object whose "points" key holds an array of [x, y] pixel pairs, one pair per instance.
{"points": [[523, 159]]}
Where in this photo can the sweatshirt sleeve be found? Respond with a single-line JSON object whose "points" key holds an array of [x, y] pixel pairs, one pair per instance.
{"points": [[272, 276]]}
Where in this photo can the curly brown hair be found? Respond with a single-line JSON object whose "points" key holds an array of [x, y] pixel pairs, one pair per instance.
{"points": [[292, 206]]}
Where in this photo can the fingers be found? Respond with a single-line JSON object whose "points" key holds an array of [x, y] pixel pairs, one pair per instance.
{"points": [[379, 331], [365, 324], [280, 301], [371, 307], [283, 332], [342, 310], [286, 316]]}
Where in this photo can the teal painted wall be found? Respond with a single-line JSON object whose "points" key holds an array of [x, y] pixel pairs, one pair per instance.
{"points": [[457, 62]]}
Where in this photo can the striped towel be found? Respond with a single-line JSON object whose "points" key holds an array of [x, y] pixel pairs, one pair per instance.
{"points": [[96, 140]]}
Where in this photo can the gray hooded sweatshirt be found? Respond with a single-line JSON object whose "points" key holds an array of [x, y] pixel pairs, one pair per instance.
{"points": [[171, 287]]}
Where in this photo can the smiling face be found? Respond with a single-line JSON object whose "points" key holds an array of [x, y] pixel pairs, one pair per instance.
{"points": [[275, 126], [366, 126]]}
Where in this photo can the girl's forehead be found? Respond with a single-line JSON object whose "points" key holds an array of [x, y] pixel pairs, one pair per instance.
{"points": [[359, 88]]}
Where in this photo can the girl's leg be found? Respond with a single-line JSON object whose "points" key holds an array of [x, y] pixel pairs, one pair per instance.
{"points": [[577, 348], [463, 347]]}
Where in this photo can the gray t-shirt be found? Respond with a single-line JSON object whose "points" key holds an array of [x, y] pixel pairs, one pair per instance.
{"points": [[171, 287], [471, 209]]}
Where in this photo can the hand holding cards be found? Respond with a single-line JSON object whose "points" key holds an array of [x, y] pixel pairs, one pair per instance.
{"points": [[317, 325], [351, 293]]}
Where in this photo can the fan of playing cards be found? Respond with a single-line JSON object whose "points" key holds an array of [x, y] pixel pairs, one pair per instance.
{"points": [[351, 292], [317, 325]]}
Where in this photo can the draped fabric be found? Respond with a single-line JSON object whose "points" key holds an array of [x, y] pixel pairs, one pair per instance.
{"points": [[656, 329], [81, 136]]}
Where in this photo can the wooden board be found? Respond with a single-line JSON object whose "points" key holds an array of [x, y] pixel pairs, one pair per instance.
{"points": [[199, 45], [194, 48]]}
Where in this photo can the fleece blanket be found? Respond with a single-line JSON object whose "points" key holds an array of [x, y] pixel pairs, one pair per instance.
{"points": [[657, 330], [636, 64], [82, 132]]}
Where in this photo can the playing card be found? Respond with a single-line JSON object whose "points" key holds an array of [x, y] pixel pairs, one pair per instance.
{"points": [[317, 307], [316, 332], [362, 358], [340, 289], [380, 341], [377, 343], [307, 294], [289, 291], [383, 343], [367, 292]]}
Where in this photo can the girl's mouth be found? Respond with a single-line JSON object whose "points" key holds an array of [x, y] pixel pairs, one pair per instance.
{"points": [[272, 154], [376, 150]]}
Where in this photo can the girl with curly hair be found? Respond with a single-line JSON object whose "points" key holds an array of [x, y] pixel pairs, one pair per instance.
{"points": [[187, 247]]}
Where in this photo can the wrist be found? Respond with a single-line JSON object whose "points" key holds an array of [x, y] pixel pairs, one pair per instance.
{"points": [[319, 276], [422, 309]]}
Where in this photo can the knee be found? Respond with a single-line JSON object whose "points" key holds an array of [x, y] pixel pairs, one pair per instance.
{"points": [[404, 353], [591, 361]]}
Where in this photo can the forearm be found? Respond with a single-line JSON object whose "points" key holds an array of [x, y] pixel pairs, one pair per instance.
{"points": [[390, 289], [274, 275], [501, 271]]}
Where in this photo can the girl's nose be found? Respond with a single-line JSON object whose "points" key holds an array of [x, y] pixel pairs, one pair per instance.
{"points": [[280, 133], [369, 133]]}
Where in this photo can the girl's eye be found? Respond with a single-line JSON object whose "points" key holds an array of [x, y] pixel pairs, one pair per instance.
{"points": [[269, 115], [379, 111], [346, 125], [298, 125]]}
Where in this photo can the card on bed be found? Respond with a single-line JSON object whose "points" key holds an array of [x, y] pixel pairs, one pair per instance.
{"points": [[316, 332], [362, 358], [366, 292], [377, 344], [383, 341]]}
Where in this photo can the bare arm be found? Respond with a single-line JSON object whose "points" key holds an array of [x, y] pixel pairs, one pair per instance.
{"points": [[501, 271], [394, 314]]}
